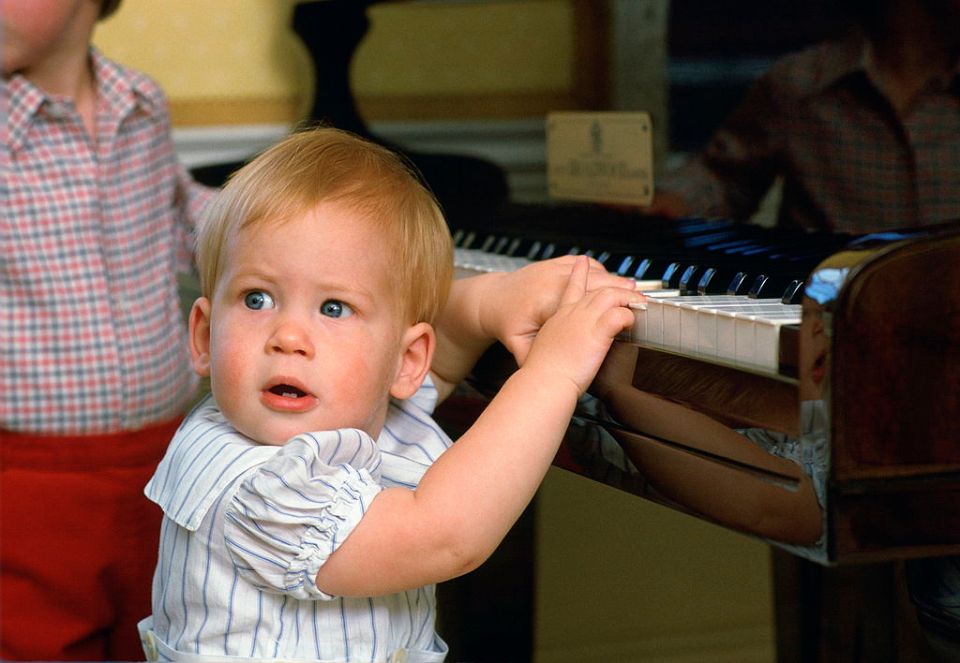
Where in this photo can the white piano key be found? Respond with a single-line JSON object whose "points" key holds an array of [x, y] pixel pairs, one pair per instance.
{"points": [[638, 333], [767, 337], [692, 310], [757, 335], [653, 334], [645, 285], [725, 315], [481, 261], [653, 318], [707, 335], [689, 330], [671, 322], [705, 319], [726, 338]]}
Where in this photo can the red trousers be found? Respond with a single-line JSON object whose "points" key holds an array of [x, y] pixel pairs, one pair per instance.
{"points": [[78, 543]]}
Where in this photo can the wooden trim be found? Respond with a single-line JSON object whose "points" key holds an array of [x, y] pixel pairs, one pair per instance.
{"points": [[228, 111], [246, 110], [492, 106]]}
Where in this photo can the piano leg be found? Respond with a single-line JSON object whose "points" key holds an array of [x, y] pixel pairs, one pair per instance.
{"points": [[844, 614]]}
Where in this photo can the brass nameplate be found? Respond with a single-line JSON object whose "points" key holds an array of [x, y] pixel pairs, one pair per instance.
{"points": [[600, 157]]}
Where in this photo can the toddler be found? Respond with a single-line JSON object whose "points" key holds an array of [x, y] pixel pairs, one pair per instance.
{"points": [[311, 503]]}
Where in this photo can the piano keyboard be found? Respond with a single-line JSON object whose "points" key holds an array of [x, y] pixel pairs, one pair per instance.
{"points": [[741, 327], [730, 329]]}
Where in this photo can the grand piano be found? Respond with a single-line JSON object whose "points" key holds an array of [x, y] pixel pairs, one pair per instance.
{"points": [[798, 388]]}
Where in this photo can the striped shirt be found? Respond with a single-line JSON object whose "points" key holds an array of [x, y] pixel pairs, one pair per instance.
{"points": [[848, 161], [247, 526], [92, 234]]}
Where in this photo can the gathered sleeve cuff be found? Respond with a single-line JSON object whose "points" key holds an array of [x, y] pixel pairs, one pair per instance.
{"points": [[289, 515]]}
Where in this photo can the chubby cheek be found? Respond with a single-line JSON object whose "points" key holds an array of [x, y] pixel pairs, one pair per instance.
{"points": [[230, 362], [362, 381]]}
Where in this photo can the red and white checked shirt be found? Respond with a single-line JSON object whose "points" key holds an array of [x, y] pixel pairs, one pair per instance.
{"points": [[848, 161], [91, 238]]}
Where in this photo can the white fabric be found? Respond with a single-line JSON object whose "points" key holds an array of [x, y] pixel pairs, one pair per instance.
{"points": [[248, 526]]}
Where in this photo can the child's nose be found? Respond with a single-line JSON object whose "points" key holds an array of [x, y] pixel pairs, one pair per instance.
{"points": [[290, 338]]}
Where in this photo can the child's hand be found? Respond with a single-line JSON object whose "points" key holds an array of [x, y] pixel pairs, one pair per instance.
{"points": [[515, 305], [574, 341]]}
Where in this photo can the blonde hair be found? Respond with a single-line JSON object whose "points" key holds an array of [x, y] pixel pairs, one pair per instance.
{"points": [[326, 164]]}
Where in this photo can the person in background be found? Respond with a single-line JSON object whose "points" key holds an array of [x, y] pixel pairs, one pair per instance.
{"points": [[97, 221], [311, 502], [863, 131]]}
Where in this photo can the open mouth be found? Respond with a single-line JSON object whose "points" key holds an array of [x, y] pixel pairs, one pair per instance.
{"points": [[819, 368], [287, 391], [285, 394]]}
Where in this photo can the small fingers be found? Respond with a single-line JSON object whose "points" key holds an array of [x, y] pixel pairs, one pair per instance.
{"points": [[600, 277], [613, 307], [577, 282]]}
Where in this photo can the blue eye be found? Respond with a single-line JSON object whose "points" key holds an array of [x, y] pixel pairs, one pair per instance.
{"points": [[258, 300], [333, 308]]}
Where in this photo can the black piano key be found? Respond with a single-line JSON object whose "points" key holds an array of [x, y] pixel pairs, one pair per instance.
{"points": [[468, 240], [794, 292], [487, 244], [513, 247], [500, 246], [671, 276], [620, 264], [688, 280], [758, 286], [739, 284], [533, 253], [715, 281]]}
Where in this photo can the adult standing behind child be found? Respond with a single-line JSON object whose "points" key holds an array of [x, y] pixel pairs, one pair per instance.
{"points": [[311, 502], [97, 218], [863, 130]]}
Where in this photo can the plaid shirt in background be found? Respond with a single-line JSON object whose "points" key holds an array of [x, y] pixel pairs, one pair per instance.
{"points": [[91, 238], [849, 162]]}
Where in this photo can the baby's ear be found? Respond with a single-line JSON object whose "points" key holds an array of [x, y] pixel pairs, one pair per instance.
{"points": [[200, 336], [416, 353]]}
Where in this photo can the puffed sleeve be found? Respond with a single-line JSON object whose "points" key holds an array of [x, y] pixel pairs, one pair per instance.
{"points": [[291, 513]]}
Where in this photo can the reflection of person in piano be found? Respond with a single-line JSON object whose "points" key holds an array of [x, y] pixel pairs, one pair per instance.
{"points": [[763, 482], [813, 348], [323, 265], [863, 131], [764, 486]]}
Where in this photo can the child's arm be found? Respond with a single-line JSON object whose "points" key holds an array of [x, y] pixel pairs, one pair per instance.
{"points": [[469, 498], [509, 307]]}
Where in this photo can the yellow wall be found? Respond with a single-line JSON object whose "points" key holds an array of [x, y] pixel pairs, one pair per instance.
{"points": [[622, 579], [238, 61]]}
